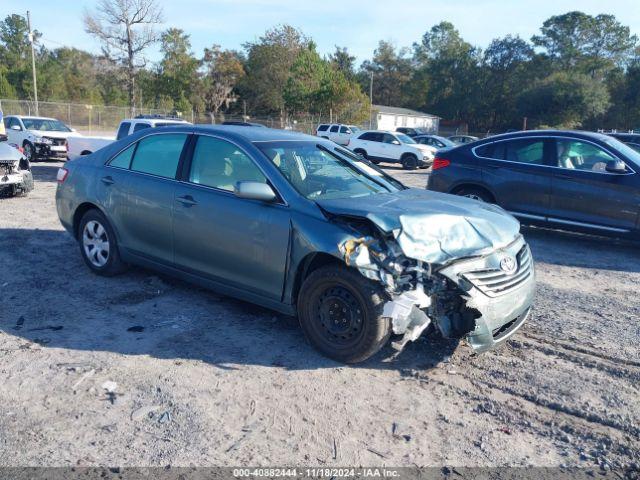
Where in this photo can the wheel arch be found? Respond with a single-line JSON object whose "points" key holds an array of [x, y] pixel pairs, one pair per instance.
{"points": [[79, 213], [456, 189], [309, 264]]}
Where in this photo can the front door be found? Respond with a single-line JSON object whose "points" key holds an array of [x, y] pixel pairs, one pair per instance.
{"points": [[240, 242], [146, 227], [583, 192], [518, 171]]}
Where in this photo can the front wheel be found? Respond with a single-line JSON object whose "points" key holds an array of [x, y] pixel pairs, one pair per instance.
{"points": [[98, 244], [409, 162], [475, 194], [340, 313]]}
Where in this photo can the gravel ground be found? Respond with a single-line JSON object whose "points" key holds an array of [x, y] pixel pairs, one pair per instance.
{"points": [[140, 370]]}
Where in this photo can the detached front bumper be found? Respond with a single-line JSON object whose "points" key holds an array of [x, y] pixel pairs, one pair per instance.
{"points": [[502, 296], [23, 180]]}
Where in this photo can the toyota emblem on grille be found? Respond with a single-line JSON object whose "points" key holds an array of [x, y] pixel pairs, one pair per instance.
{"points": [[508, 265]]}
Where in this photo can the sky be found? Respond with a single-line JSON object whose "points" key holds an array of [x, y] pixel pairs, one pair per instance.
{"points": [[355, 24]]}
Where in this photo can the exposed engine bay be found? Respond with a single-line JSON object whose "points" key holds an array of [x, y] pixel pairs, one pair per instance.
{"points": [[439, 271], [15, 172]]}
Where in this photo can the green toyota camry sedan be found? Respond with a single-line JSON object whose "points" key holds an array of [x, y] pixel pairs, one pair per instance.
{"points": [[303, 226]]}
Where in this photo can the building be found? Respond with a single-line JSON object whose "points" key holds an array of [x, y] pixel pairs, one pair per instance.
{"points": [[390, 118]]}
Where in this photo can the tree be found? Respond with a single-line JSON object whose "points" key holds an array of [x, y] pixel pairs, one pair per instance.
{"points": [[15, 54], [592, 45], [344, 62], [178, 70], [391, 71], [564, 100], [223, 70], [125, 29]]}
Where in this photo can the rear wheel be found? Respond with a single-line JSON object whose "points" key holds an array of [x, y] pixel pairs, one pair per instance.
{"points": [[409, 162], [98, 244], [340, 313]]}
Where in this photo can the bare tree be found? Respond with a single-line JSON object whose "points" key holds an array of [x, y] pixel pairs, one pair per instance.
{"points": [[223, 71], [125, 28]]}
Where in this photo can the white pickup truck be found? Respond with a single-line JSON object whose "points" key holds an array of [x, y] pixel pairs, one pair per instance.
{"points": [[78, 146]]}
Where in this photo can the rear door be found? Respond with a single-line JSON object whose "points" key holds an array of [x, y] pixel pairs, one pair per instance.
{"points": [[519, 174], [240, 242], [585, 194], [147, 223], [334, 132]]}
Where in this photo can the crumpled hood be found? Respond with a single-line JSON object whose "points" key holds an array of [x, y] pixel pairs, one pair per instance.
{"points": [[430, 226], [9, 153]]}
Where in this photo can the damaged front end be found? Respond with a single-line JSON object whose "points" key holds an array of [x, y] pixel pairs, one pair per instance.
{"points": [[449, 272], [15, 175]]}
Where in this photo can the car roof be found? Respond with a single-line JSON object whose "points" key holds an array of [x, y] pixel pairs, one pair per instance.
{"points": [[547, 133], [251, 133], [32, 117]]}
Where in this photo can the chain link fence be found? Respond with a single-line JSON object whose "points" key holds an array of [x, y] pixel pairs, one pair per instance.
{"points": [[103, 119]]}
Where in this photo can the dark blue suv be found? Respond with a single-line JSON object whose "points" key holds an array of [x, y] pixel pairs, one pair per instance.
{"points": [[564, 179]]}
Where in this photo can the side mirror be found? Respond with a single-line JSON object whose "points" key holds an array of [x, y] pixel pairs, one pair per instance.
{"points": [[16, 128], [396, 142], [616, 166], [254, 191], [73, 129]]}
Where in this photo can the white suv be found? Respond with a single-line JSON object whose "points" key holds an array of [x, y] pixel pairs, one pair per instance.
{"points": [[337, 132], [39, 137], [394, 147]]}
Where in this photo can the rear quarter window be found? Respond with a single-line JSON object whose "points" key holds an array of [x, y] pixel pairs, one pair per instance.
{"points": [[323, 128], [123, 131]]}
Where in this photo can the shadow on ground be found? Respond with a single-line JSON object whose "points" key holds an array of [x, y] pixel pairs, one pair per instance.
{"points": [[55, 301]]}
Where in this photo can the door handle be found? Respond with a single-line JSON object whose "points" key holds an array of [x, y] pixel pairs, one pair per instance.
{"points": [[107, 180], [187, 201]]}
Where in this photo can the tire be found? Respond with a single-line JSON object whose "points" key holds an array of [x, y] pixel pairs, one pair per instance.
{"points": [[409, 162], [333, 291], [476, 194], [29, 151], [94, 234]]}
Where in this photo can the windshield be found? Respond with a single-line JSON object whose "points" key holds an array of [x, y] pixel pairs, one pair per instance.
{"points": [[445, 141], [354, 129], [629, 152], [405, 138], [45, 124], [318, 172]]}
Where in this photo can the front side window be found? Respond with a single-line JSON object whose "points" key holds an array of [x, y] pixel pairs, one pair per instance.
{"points": [[344, 130], [123, 130], [220, 164], [405, 138], [577, 155], [159, 154], [369, 136], [320, 173], [13, 122]]}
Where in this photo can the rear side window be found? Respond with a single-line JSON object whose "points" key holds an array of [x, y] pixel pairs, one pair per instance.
{"points": [[524, 150], [123, 159], [323, 128], [123, 131], [371, 136], [159, 155], [334, 128], [140, 126]]}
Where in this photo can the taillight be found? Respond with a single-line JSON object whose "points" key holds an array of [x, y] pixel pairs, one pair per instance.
{"points": [[63, 173], [440, 163]]}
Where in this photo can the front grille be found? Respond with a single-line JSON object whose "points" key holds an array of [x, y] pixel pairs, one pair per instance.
{"points": [[494, 282], [57, 141]]}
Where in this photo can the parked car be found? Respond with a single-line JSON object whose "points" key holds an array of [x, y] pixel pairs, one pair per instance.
{"points": [[15, 170], [571, 180], [392, 147], [302, 226], [631, 139], [337, 132], [434, 140], [39, 137], [462, 139], [413, 131], [79, 146]]}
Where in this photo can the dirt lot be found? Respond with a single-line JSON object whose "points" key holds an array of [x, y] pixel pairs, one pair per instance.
{"points": [[200, 379]]}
